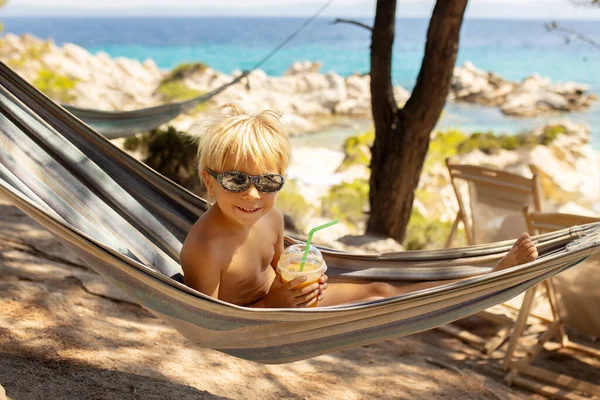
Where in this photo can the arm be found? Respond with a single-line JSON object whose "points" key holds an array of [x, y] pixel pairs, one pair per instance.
{"points": [[286, 294], [201, 266], [278, 227]]}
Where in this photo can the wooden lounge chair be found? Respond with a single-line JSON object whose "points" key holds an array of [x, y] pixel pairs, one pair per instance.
{"points": [[491, 209], [491, 202], [574, 297]]}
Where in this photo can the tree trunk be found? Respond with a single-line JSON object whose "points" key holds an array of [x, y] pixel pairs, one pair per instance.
{"points": [[402, 135]]}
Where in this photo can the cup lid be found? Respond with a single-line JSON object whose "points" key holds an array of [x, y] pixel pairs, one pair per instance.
{"points": [[299, 248]]}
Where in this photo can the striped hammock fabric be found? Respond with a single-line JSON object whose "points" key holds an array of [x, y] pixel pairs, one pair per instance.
{"points": [[128, 222]]}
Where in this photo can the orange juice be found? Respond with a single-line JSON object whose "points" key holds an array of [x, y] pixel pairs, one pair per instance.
{"points": [[289, 268]]}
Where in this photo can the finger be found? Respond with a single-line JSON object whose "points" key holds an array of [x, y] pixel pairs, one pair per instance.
{"points": [[323, 287], [323, 279], [307, 297], [296, 281], [308, 303], [307, 289]]}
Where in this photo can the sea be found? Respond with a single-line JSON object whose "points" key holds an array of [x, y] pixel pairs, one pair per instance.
{"points": [[512, 49]]}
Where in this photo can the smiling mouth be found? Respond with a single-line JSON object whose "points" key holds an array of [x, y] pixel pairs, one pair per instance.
{"points": [[248, 210]]}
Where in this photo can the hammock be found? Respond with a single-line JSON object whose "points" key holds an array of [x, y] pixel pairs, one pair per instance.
{"points": [[115, 124], [128, 222]]}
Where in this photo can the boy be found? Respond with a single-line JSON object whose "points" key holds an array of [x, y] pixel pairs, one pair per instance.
{"points": [[231, 251]]}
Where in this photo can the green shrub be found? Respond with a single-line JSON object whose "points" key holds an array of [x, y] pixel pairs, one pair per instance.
{"points": [[177, 91], [509, 142], [55, 85], [291, 202], [184, 70], [443, 145], [357, 150], [527, 140], [550, 133], [346, 202], [134, 143], [486, 142], [489, 143], [35, 52], [171, 153], [30, 53], [423, 234]]}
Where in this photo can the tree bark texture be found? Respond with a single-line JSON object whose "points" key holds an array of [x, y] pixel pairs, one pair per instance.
{"points": [[402, 135]]}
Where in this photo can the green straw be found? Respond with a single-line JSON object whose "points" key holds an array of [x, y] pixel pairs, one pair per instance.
{"points": [[310, 235]]}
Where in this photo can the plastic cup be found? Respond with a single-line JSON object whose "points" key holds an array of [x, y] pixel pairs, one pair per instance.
{"points": [[291, 260]]}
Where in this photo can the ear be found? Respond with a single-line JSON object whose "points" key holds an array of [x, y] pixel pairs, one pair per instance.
{"points": [[207, 182]]}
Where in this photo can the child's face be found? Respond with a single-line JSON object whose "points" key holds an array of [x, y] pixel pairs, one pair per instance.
{"points": [[246, 207]]}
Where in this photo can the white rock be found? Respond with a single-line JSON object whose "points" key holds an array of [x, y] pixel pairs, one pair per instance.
{"points": [[66, 66], [152, 69], [370, 244], [401, 95], [530, 102], [358, 86], [304, 106], [354, 107], [258, 75], [133, 69], [311, 82], [78, 54], [296, 125], [535, 83], [104, 58], [469, 66]]}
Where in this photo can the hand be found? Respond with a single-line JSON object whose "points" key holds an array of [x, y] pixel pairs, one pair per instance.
{"points": [[287, 295], [322, 286]]}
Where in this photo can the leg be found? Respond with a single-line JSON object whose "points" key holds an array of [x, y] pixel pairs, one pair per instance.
{"points": [[343, 293], [522, 251]]}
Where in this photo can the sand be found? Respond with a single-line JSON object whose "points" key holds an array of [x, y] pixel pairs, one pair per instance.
{"points": [[65, 334]]}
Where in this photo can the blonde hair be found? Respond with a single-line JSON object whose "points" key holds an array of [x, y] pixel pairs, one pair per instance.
{"points": [[236, 135]]}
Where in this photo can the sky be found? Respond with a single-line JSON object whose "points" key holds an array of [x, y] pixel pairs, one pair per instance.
{"points": [[512, 9]]}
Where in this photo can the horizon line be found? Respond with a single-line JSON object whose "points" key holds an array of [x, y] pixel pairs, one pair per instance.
{"points": [[101, 15]]}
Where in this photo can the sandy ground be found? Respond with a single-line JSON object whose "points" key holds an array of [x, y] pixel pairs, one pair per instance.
{"points": [[64, 334]]}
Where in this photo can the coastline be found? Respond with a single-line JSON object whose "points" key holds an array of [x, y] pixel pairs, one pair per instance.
{"points": [[320, 110], [64, 331]]}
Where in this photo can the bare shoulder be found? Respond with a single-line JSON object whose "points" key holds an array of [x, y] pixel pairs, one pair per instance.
{"points": [[276, 219], [202, 253]]}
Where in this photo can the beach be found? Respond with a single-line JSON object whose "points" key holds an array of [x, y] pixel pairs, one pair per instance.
{"points": [[64, 331]]}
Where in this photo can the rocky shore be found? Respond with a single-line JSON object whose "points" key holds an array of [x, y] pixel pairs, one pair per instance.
{"points": [[308, 99], [533, 96], [311, 100], [561, 152]]}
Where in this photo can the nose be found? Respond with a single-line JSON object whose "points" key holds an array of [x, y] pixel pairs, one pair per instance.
{"points": [[252, 192]]}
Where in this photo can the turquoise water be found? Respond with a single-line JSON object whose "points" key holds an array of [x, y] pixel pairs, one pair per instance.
{"points": [[511, 48]]}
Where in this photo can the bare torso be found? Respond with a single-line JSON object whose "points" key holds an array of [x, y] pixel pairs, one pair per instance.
{"points": [[247, 274]]}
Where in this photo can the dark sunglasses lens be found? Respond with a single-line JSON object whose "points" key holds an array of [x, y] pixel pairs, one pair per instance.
{"points": [[269, 183], [235, 182]]}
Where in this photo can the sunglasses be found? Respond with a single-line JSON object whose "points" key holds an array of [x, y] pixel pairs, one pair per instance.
{"points": [[236, 182]]}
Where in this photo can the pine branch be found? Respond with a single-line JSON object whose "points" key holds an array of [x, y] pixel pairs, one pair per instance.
{"points": [[352, 22], [553, 26]]}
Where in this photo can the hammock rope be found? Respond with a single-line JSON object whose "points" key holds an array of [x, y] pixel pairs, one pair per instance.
{"points": [[115, 124]]}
